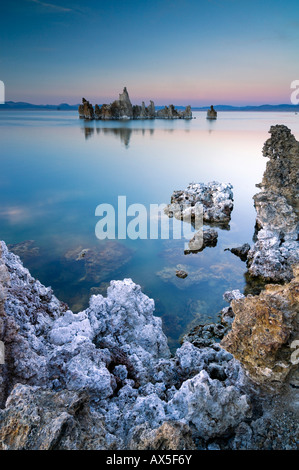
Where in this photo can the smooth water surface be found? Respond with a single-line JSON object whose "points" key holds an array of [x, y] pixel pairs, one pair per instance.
{"points": [[56, 169]]}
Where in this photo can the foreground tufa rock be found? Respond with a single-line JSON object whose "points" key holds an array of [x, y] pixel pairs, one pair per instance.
{"points": [[122, 109], [116, 352], [263, 331], [37, 419]]}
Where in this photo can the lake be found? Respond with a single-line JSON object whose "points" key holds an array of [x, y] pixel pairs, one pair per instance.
{"points": [[56, 169]]}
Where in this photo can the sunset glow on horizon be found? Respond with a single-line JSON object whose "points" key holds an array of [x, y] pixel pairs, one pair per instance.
{"points": [[171, 51]]}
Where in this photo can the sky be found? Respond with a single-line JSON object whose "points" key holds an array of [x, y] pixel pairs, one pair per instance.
{"points": [[197, 52]]}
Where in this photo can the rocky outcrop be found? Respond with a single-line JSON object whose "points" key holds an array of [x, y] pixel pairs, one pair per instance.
{"points": [[38, 419], [215, 199], [117, 353], [276, 247], [200, 204], [172, 435], [263, 331], [206, 335], [123, 109], [211, 113], [86, 110], [240, 251]]}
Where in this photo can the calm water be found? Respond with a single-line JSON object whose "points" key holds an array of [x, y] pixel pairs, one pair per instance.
{"points": [[56, 169]]}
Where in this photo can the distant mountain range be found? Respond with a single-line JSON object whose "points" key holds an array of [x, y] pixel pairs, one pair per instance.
{"points": [[22, 105], [263, 107], [220, 107]]}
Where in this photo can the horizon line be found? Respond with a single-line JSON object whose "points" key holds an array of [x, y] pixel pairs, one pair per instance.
{"points": [[179, 105]]}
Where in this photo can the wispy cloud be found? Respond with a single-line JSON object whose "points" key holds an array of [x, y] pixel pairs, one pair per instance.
{"points": [[51, 6]]}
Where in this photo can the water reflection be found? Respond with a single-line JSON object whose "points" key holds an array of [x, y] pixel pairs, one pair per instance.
{"points": [[123, 133]]}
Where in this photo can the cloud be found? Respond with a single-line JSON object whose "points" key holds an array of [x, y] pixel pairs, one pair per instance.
{"points": [[51, 6]]}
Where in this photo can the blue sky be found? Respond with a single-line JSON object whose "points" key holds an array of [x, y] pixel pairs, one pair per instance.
{"points": [[194, 52]]}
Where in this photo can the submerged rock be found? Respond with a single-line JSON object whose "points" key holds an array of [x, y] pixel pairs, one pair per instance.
{"points": [[99, 263], [276, 247], [25, 250], [181, 273]]}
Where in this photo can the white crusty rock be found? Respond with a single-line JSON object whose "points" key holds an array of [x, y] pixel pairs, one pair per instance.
{"points": [[116, 352], [209, 406], [214, 199]]}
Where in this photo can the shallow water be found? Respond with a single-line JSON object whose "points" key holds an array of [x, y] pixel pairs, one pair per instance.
{"points": [[56, 169]]}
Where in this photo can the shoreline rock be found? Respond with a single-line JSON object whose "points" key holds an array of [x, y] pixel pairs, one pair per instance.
{"points": [[117, 353], [263, 330], [276, 247], [215, 198]]}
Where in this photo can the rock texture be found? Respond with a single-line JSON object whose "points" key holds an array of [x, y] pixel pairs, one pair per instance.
{"points": [[276, 247], [240, 251], [122, 109], [86, 110], [37, 419], [263, 330], [202, 239], [117, 353], [199, 204], [215, 198]]}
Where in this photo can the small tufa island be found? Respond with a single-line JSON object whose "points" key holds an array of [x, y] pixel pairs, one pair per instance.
{"points": [[122, 109], [212, 114]]}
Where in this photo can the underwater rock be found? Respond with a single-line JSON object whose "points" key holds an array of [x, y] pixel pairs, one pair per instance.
{"points": [[181, 274], [276, 247], [221, 271], [25, 250], [205, 335], [99, 263]]}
